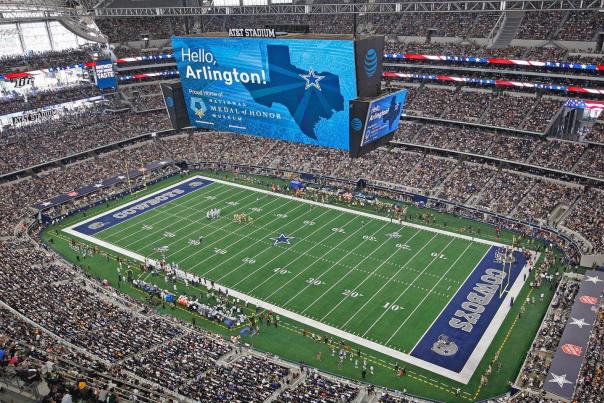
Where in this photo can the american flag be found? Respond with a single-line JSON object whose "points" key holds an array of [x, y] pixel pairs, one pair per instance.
{"points": [[583, 104]]}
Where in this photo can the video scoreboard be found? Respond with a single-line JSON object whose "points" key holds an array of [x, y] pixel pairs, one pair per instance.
{"points": [[296, 88], [372, 120]]}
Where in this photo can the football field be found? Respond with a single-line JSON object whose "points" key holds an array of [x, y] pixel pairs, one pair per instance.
{"points": [[427, 297]]}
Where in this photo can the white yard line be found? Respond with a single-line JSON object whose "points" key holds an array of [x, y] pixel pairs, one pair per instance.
{"points": [[249, 246], [356, 212], [177, 203], [178, 218], [430, 292], [221, 228], [353, 268], [279, 255], [366, 278], [450, 299], [406, 289], [135, 201], [201, 223]]}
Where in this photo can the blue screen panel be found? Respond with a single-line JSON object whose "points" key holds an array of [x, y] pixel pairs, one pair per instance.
{"points": [[384, 116], [104, 74], [289, 89]]}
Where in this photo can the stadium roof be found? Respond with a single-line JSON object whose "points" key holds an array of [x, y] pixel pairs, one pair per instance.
{"points": [[52, 9]]}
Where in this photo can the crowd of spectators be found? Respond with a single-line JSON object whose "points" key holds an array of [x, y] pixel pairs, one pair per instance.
{"points": [[503, 193], [543, 113], [465, 182], [41, 60], [507, 110], [581, 26], [562, 155], [502, 110], [126, 29], [73, 133], [539, 25], [590, 387], [592, 162], [317, 388], [30, 356], [587, 217], [596, 133], [543, 198], [100, 343], [144, 97], [43, 98], [467, 106], [430, 102], [538, 360], [450, 138]]}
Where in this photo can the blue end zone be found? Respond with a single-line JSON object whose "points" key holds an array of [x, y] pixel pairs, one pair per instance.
{"points": [[453, 337], [141, 206]]}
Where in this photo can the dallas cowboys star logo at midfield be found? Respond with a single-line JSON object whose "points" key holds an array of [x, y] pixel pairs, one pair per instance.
{"points": [[579, 322], [282, 239], [312, 80], [594, 279], [559, 379]]}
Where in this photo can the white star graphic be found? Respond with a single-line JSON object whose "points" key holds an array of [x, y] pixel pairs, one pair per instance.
{"points": [[121, 177], [98, 185], [46, 203], [594, 279], [579, 322], [559, 379], [312, 80]]}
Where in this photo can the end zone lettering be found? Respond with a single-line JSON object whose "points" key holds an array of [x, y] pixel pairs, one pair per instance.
{"points": [[135, 208], [252, 33], [473, 307], [149, 203]]}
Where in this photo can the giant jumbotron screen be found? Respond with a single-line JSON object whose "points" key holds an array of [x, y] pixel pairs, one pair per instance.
{"points": [[282, 88]]}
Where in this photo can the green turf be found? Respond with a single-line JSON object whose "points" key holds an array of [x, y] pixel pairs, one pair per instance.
{"points": [[341, 269], [511, 342]]}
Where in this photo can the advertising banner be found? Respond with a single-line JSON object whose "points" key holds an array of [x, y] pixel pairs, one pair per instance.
{"points": [[104, 74], [369, 53], [289, 89]]}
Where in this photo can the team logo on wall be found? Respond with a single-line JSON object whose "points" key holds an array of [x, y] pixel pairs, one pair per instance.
{"points": [[445, 347], [170, 102], [586, 299]]}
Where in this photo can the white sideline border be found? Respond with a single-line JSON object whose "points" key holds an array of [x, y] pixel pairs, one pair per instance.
{"points": [[472, 362]]}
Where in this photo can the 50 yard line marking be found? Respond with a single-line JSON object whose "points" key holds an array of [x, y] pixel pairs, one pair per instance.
{"points": [[406, 289], [254, 243], [331, 249], [281, 254]]}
